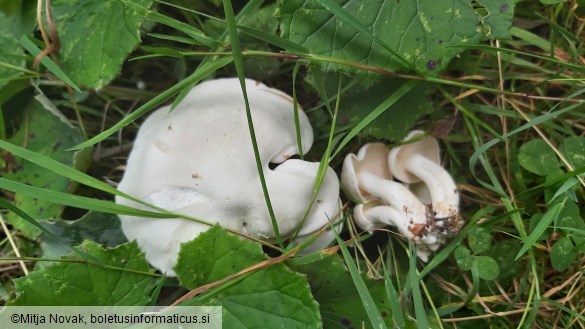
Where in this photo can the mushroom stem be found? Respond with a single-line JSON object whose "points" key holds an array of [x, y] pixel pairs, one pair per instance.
{"points": [[369, 218], [444, 195], [390, 216], [396, 196]]}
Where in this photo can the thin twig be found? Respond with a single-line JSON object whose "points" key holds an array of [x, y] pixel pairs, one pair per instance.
{"points": [[247, 270], [12, 244], [52, 42], [485, 316]]}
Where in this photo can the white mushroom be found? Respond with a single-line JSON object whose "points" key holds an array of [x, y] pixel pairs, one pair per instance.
{"points": [[198, 160], [420, 161], [366, 178]]}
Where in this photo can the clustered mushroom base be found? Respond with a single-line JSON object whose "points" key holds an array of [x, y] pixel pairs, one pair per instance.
{"points": [[423, 206]]}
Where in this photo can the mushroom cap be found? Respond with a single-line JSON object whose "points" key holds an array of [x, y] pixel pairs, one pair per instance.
{"points": [[198, 160], [398, 156], [372, 158], [362, 220]]}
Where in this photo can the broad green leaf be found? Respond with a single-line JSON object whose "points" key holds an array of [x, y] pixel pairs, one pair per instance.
{"points": [[19, 16], [16, 18], [537, 157], [551, 2], [339, 301], [395, 122], [127, 280], [487, 267], [463, 258], [496, 17], [555, 181], [98, 227], [273, 297], [48, 133], [422, 33], [570, 217], [563, 254], [574, 150], [479, 239], [504, 252], [96, 36], [11, 54]]}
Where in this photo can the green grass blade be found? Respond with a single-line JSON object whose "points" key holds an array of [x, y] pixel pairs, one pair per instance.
{"points": [[323, 165], [567, 185], [369, 305], [196, 34], [273, 40], [385, 105], [551, 215], [325, 159], [202, 72], [61, 169], [468, 113], [419, 308], [77, 201], [172, 38], [296, 111], [530, 37], [2, 125], [571, 66], [17, 211], [318, 77], [48, 62], [239, 63], [565, 308], [163, 51], [393, 299], [478, 143], [154, 297], [572, 229], [558, 179]]}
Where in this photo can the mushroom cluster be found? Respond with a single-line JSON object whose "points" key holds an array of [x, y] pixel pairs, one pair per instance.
{"points": [[423, 206], [198, 160]]}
